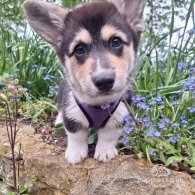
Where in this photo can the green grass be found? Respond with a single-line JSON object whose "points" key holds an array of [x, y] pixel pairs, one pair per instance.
{"points": [[29, 60]]}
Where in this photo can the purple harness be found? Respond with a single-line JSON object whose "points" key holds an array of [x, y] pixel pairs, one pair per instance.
{"points": [[97, 115]]}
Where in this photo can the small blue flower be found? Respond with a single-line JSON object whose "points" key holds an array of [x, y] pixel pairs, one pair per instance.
{"points": [[138, 99], [181, 65], [157, 134], [191, 71], [53, 88], [131, 123], [143, 106], [172, 97], [184, 123], [28, 82], [191, 109], [167, 120], [151, 132], [189, 85], [191, 32], [152, 152], [24, 89], [127, 118], [105, 106], [176, 103], [125, 140], [128, 130], [157, 100], [162, 124], [175, 125], [48, 77], [174, 139], [140, 120], [182, 117], [164, 70]]}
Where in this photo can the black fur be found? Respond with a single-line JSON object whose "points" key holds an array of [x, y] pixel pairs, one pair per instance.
{"points": [[93, 16]]}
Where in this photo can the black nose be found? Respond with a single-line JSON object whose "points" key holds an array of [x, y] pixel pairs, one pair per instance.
{"points": [[104, 83]]}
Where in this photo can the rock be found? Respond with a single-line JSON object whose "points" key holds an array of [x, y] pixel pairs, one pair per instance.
{"points": [[122, 176]]}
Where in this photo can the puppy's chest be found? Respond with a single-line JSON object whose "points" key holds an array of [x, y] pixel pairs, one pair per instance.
{"points": [[95, 117]]}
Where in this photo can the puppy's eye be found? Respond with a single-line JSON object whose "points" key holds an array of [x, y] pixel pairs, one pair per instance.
{"points": [[80, 49], [116, 42]]}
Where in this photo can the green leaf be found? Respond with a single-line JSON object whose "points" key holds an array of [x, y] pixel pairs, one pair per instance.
{"points": [[173, 159], [147, 153]]}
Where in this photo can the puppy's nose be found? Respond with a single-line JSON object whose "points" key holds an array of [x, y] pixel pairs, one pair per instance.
{"points": [[105, 82]]}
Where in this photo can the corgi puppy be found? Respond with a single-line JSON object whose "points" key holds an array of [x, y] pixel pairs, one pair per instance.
{"points": [[97, 44]]}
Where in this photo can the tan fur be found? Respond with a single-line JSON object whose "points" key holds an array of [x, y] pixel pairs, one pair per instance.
{"points": [[78, 72], [122, 65], [108, 31], [82, 36]]}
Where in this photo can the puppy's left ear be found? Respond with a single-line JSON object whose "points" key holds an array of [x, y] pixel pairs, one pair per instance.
{"points": [[132, 10]]}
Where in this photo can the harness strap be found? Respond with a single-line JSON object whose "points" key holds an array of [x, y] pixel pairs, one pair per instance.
{"points": [[97, 116]]}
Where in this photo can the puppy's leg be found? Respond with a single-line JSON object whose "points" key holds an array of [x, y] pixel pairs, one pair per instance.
{"points": [[108, 136], [77, 135], [77, 148], [106, 145]]}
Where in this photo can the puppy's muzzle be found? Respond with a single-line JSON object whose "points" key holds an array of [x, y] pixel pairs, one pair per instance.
{"points": [[104, 82]]}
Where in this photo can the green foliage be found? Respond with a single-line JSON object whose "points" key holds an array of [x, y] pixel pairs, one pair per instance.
{"points": [[38, 110]]}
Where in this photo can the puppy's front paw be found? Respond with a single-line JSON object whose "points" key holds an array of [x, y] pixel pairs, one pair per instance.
{"points": [[105, 152], [76, 155]]}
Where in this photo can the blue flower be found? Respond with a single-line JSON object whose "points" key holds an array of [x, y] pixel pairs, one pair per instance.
{"points": [[176, 103], [138, 98], [191, 71], [191, 32], [48, 77], [152, 152], [184, 123], [162, 124], [175, 125], [28, 82], [24, 89], [143, 106], [127, 118], [157, 100], [191, 109], [128, 130], [174, 139], [181, 65], [182, 117], [131, 123], [157, 134], [125, 140], [151, 132], [189, 85], [172, 97], [140, 120], [53, 88], [167, 120], [105, 106]]}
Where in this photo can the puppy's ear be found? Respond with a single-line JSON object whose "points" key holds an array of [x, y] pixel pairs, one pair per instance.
{"points": [[132, 10], [47, 20]]}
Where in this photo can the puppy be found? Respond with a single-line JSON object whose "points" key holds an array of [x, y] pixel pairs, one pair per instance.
{"points": [[97, 45]]}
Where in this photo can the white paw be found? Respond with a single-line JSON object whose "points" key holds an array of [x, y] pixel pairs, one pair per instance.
{"points": [[76, 155], [105, 152]]}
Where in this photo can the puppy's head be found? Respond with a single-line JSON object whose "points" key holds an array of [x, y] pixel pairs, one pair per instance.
{"points": [[97, 43]]}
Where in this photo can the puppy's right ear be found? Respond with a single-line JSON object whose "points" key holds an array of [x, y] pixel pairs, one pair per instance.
{"points": [[47, 20]]}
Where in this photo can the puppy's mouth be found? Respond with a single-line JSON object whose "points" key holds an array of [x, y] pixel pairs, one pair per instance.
{"points": [[105, 94]]}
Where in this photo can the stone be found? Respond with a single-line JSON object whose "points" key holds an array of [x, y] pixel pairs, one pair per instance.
{"points": [[124, 175]]}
